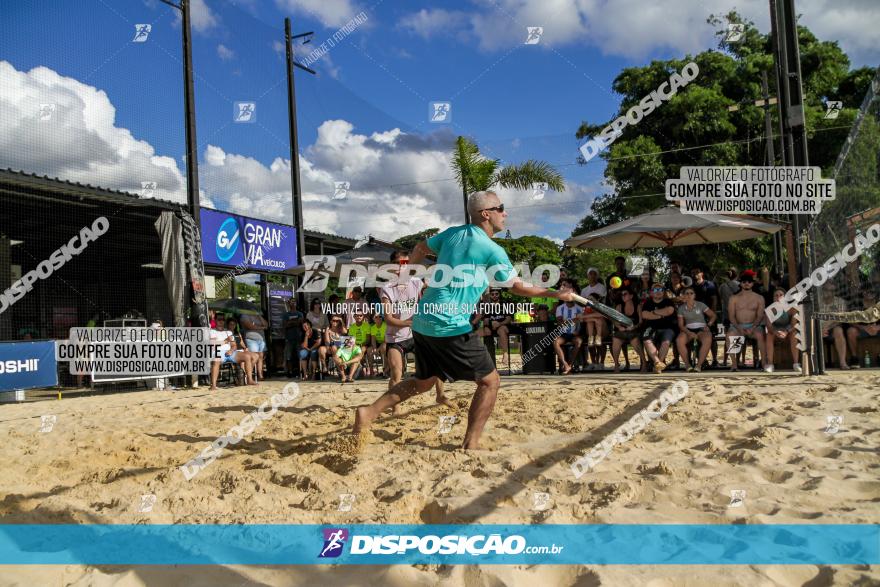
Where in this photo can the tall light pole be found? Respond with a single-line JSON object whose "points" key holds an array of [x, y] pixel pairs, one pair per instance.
{"points": [[189, 111], [794, 147], [294, 145]]}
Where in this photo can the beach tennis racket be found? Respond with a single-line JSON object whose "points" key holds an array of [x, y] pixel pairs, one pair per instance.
{"points": [[604, 310]]}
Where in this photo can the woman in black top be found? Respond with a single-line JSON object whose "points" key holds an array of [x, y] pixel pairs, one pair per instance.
{"points": [[629, 308]]}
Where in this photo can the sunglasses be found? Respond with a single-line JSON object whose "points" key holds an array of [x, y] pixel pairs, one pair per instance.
{"points": [[495, 209], [659, 289]]}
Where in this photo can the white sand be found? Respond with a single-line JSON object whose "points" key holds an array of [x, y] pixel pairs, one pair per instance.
{"points": [[761, 433]]}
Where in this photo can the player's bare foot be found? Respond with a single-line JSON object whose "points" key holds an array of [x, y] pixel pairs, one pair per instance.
{"points": [[212, 388], [567, 369], [445, 401], [362, 419]]}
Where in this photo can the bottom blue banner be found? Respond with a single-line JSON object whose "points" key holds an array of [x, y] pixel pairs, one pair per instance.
{"points": [[375, 544]]}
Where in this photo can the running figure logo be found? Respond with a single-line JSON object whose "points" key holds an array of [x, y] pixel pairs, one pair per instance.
{"points": [[735, 32], [832, 109], [441, 112], [340, 189], [334, 540], [47, 422], [141, 32], [833, 423], [46, 111], [245, 112], [318, 271], [736, 344], [534, 36], [538, 190]]}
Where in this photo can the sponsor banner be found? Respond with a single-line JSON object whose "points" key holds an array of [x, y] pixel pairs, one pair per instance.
{"points": [[24, 365], [237, 241], [283, 544]]}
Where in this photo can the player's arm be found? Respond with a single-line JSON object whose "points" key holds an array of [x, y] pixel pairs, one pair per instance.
{"points": [[390, 319], [520, 288], [419, 253]]}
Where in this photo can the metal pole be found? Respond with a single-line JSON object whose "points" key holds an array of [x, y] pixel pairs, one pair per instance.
{"points": [[464, 195], [189, 109], [294, 157], [795, 146], [771, 161]]}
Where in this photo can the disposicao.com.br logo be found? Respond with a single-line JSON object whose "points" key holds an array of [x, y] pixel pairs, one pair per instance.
{"points": [[451, 544]]}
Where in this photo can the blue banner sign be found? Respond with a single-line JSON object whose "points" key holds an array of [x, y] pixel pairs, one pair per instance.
{"points": [[24, 365], [237, 241], [377, 544]]}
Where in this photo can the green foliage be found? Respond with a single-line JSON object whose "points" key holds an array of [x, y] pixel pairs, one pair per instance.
{"points": [[408, 242], [475, 172], [534, 250], [646, 154]]}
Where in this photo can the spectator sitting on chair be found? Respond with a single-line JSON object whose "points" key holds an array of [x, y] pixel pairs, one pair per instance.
{"points": [[292, 322], [498, 324], [596, 329], [595, 326], [629, 307], [725, 292], [746, 312], [360, 330], [311, 349], [333, 336], [658, 315], [695, 322], [316, 316], [566, 312], [832, 330], [348, 355], [377, 341], [254, 337], [781, 329], [231, 354], [707, 292], [862, 330]]}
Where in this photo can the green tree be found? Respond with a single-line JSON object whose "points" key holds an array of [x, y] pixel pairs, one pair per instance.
{"points": [[475, 172], [646, 154], [406, 243]]}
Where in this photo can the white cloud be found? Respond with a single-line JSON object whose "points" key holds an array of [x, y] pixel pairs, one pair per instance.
{"points": [[224, 52], [330, 13], [81, 141], [201, 16], [427, 23], [400, 183], [635, 29]]}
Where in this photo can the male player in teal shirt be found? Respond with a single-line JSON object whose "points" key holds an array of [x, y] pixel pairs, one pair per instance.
{"points": [[445, 345]]}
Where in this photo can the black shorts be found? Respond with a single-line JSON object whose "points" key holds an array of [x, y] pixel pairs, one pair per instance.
{"points": [[451, 358], [403, 347]]}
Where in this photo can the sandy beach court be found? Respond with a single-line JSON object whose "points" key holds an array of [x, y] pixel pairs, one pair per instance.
{"points": [[763, 434]]}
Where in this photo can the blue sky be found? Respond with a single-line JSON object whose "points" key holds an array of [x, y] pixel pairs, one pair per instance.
{"points": [[118, 114]]}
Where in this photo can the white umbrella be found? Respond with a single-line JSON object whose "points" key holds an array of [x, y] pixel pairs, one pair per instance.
{"points": [[668, 227]]}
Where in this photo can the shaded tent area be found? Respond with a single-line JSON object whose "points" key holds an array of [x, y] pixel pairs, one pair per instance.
{"points": [[669, 227], [119, 273]]}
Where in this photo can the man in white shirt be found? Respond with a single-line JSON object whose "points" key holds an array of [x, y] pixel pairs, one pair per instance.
{"points": [[568, 312], [399, 301], [595, 286]]}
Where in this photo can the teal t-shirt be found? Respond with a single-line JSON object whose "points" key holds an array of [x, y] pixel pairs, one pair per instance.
{"points": [[452, 295]]}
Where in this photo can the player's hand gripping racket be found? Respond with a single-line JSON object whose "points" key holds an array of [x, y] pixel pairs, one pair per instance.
{"points": [[604, 310]]}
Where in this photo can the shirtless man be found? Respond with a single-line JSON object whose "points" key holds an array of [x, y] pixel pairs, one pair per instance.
{"points": [[399, 300], [746, 313]]}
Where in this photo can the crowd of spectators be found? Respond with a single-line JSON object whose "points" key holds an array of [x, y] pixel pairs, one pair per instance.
{"points": [[679, 323]]}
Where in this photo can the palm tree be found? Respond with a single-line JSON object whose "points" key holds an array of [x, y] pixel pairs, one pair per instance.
{"points": [[476, 172]]}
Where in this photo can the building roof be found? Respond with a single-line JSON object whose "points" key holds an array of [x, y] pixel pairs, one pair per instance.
{"points": [[63, 187]]}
